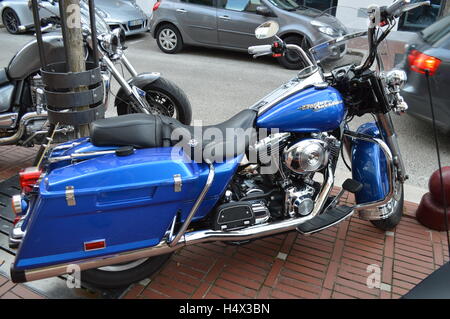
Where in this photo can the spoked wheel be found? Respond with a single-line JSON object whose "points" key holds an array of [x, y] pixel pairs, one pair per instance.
{"points": [[11, 21], [292, 60], [165, 98], [125, 274], [395, 205]]}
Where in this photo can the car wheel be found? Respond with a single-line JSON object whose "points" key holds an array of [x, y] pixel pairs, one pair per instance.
{"points": [[169, 39], [11, 21], [291, 59]]}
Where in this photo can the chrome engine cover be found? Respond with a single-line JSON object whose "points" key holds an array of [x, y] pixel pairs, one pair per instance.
{"points": [[308, 155]]}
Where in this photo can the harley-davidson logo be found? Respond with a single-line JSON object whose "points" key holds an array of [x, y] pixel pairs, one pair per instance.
{"points": [[320, 105]]}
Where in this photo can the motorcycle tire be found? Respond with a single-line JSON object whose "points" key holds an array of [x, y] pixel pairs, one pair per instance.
{"points": [[165, 97], [392, 221], [118, 276]]}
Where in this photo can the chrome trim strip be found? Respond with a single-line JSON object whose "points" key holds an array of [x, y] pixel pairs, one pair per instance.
{"points": [[197, 203], [79, 155], [293, 86]]}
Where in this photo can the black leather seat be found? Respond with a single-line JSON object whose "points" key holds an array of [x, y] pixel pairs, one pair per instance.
{"points": [[214, 143]]}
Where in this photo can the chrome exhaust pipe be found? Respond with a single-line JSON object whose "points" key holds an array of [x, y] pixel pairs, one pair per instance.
{"points": [[13, 139], [189, 238]]}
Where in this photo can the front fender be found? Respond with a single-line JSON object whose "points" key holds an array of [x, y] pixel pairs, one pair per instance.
{"points": [[369, 166], [139, 81]]}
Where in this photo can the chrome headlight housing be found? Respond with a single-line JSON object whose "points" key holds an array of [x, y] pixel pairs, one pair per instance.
{"points": [[306, 156], [396, 79], [112, 42]]}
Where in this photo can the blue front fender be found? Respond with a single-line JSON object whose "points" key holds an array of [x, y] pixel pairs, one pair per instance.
{"points": [[369, 166]]}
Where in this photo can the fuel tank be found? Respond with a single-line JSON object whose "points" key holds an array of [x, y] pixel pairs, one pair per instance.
{"points": [[27, 60], [310, 110]]}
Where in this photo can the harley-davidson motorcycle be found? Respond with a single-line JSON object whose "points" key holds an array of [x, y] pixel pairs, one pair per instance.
{"points": [[116, 204], [23, 114]]}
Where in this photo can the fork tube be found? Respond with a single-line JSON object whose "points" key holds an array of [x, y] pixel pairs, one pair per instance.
{"points": [[129, 66], [385, 123]]}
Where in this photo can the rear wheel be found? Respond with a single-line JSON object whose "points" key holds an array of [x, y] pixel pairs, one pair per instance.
{"points": [[11, 21], [169, 39], [122, 275], [291, 59], [164, 97]]}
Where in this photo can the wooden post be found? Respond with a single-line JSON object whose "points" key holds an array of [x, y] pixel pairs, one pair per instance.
{"points": [[74, 43]]}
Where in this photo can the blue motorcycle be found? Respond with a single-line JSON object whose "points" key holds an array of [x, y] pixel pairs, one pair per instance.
{"points": [[117, 204]]}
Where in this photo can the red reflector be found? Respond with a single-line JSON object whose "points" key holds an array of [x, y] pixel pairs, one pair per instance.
{"points": [[156, 5], [93, 245], [277, 55], [28, 178], [420, 62], [16, 220]]}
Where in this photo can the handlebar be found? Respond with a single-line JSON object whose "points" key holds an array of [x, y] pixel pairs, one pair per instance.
{"points": [[260, 50], [395, 7]]}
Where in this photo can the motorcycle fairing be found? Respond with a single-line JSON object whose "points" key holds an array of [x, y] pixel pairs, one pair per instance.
{"points": [[128, 201], [369, 166]]}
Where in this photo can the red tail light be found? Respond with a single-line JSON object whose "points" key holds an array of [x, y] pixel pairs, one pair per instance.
{"points": [[156, 5], [420, 62], [28, 178]]}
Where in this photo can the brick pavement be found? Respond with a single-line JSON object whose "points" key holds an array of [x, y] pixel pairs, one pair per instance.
{"points": [[331, 264]]}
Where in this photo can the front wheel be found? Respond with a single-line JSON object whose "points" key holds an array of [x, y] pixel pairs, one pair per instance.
{"points": [[164, 98], [395, 205], [122, 275]]}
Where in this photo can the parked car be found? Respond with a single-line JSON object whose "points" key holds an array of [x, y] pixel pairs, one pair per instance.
{"points": [[430, 50], [125, 14], [230, 24]]}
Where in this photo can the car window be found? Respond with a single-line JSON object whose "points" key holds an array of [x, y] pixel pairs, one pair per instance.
{"points": [[436, 31], [209, 3], [240, 5]]}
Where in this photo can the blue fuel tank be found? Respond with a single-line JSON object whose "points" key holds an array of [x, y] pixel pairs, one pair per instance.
{"points": [[310, 110]]}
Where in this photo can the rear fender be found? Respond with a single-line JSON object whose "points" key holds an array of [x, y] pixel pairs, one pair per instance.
{"points": [[369, 166]]}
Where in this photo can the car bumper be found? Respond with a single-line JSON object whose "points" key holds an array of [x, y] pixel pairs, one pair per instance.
{"points": [[131, 29]]}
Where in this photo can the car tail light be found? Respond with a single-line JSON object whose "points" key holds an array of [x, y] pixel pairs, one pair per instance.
{"points": [[28, 178], [420, 62], [156, 5]]}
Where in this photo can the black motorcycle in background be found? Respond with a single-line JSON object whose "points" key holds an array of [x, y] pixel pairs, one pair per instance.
{"points": [[23, 114]]}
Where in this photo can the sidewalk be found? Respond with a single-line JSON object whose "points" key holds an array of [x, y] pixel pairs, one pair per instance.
{"points": [[330, 264]]}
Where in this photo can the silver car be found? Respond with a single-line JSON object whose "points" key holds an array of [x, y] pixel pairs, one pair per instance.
{"points": [[125, 14], [230, 24]]}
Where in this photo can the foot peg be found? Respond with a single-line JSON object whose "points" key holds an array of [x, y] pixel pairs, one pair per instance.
{"points": [[352, 186], [327, 219]]}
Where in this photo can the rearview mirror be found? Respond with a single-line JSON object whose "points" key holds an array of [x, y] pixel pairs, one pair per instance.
{"points": [[264, 11], [267, 30]]}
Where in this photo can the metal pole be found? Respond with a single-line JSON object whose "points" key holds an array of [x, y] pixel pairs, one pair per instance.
{"points": [[37, 26], [93, 31]]}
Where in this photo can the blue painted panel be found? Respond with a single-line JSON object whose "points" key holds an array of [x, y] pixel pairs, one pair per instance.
{"points": [[288, 115], [369, 166]]}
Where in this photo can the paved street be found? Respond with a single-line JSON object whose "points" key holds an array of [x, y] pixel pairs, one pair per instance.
{"points": [[220, 83]]}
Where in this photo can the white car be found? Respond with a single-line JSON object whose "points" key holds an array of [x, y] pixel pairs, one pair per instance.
{"points": [[17, 15]]}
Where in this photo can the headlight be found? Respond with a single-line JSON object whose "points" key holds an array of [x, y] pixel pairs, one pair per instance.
{"points": [[322, 27], [328, 30], [112, 42]]}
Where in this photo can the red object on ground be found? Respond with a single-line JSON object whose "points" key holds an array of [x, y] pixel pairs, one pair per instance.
{"points": [[430, 212]]}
